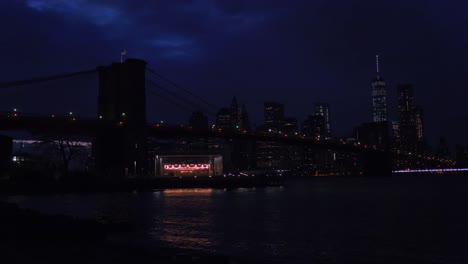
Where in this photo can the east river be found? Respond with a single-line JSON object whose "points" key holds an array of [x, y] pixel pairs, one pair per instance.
{"points": [[400, 219]]}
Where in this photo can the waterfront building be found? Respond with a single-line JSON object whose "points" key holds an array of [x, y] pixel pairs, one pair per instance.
{"points": [[188, 165]]}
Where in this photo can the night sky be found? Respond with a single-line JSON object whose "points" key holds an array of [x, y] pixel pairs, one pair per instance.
{"points": [[295, 52]]}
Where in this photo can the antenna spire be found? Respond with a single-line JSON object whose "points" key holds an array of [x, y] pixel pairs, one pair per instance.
{"points": [[377, 63]]}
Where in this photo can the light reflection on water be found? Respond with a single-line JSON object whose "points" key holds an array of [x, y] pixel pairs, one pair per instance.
{"points": [[187, 192], [185, 220]]}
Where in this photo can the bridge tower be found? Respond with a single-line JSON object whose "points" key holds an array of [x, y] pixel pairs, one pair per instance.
{"points": [[122, 151]]}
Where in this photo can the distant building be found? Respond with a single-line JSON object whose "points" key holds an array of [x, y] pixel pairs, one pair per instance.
{"points": [[379, 97], [419, 118], [407, 118], [274, 115], [395, 135], [272, 155], [241, 154], [198, 121], [421, 146], [237, 153], [245, 122], [233, 118], [322, 109], [372, 134], [396, 130], [224, 118], [235, 114], [290, 126], [443, 149], [314, 127]]}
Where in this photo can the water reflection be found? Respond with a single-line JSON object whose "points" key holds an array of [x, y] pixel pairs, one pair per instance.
{"points": [[185, 219], [186, 192]]}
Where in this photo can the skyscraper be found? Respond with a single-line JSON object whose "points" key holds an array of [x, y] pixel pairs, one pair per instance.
{"points": [[395, 135], [324, 110], [419, 118], [379, 97], [274, 115], [407, 118]]}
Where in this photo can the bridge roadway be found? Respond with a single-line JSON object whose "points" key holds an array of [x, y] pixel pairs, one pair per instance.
{"points": [[60, 125]]}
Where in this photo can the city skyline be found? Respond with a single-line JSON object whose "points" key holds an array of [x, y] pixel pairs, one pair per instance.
{"points": [[268, 47]]}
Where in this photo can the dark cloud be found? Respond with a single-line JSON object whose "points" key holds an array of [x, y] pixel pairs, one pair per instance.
{"points": [[297, 52]]}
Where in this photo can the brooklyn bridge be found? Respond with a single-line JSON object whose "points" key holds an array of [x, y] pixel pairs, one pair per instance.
{"points": [[123, 139]]}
